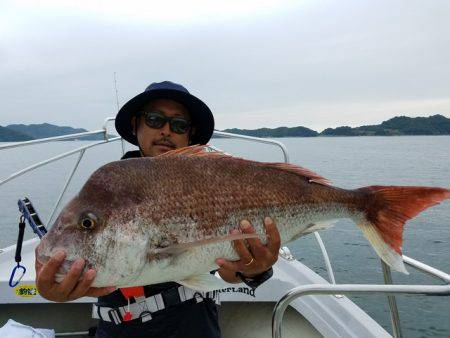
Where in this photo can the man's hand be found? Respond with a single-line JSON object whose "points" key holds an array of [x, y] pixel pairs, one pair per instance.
{"points": [[253, 260], [71, 287]]}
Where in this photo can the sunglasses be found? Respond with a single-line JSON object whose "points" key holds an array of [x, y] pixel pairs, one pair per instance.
{"points": [[157, 120]]}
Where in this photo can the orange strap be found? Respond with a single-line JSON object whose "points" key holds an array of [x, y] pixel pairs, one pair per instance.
{"points": [[134, 291]]}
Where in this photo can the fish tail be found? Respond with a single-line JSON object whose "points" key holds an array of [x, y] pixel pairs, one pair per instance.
{"points": [[386, 209]]}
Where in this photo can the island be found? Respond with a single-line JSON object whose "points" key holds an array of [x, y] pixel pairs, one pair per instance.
{"points": [[9, 135], [23, 132], [276, 132], [396, 126], [399, 125]]}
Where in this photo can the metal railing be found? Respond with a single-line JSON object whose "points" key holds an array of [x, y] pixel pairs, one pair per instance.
{"points": [[390, 290], [395, 317], [257, 140], [80, 151]]}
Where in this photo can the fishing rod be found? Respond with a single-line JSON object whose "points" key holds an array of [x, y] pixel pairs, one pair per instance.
{"points": [[118, 107]]}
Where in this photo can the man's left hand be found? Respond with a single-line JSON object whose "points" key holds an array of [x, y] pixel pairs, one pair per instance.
{"points": [[254, 259]]}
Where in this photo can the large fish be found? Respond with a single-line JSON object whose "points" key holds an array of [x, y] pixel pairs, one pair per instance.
{"points": [[167, 218]]}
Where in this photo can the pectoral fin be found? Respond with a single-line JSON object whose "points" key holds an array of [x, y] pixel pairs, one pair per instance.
{"points": [[204, 282], [319, 226], [181, 247]]}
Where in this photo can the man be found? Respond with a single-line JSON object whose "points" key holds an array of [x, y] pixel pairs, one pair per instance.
{"points": [[162, 118]]}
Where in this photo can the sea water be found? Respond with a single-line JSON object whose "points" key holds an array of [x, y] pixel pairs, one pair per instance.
{"points": [[349, 162]]}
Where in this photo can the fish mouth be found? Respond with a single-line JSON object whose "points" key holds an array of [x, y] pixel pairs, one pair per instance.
{"points": [[42, 259], [42, 255], [63, 269]]}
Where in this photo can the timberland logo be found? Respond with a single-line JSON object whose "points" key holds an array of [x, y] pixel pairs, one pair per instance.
{"points": [[26, 291], [246, 291]]}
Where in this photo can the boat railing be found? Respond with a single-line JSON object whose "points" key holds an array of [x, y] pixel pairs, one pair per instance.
{"points": [[389, 290], [80, 151]]}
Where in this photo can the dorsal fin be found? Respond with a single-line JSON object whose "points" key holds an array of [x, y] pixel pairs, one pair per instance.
{"points": [[195, 150], [190, 150], [310, 175], [200, 151]]}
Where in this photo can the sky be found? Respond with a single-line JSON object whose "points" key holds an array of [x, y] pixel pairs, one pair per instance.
{"points": [[256, 64]]}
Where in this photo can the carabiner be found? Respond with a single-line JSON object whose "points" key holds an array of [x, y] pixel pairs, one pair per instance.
{"points": [[17, 267]]}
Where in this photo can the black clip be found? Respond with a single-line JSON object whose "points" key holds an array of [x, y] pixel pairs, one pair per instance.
{"points": [[18, 256], [30, 214]]}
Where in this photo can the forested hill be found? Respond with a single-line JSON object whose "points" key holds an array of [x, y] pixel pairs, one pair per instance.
{"points": [[23, 132], [277, 132], [9, 135], [400, 125]]}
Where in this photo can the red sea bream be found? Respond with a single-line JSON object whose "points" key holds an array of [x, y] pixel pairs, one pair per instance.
{"points": [[167, 218]]}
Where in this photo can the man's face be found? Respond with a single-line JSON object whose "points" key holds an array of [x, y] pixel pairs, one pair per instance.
{"points": [[155, 142]]}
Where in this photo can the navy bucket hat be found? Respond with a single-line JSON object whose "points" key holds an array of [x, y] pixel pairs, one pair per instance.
{"points": [[201, 116]]}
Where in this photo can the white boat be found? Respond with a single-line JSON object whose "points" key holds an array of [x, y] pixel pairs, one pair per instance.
{"points": [[311, 305]]}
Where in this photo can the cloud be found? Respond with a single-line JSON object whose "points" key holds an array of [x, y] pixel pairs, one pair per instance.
{"points": [[333, 63]]}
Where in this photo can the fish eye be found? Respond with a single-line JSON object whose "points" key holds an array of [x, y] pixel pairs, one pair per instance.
{"points": [[88, 221]]}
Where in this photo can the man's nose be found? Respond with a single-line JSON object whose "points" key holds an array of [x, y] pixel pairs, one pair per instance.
{"points": [[165, 130]]}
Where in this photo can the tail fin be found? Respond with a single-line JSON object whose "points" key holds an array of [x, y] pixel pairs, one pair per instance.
{"points": [[387, 210]]}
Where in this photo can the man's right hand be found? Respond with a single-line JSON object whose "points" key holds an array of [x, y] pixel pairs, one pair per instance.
{"points": [[71, 287]]}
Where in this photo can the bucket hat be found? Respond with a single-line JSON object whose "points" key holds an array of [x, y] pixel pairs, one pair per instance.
{"points": [[201, 116]]}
